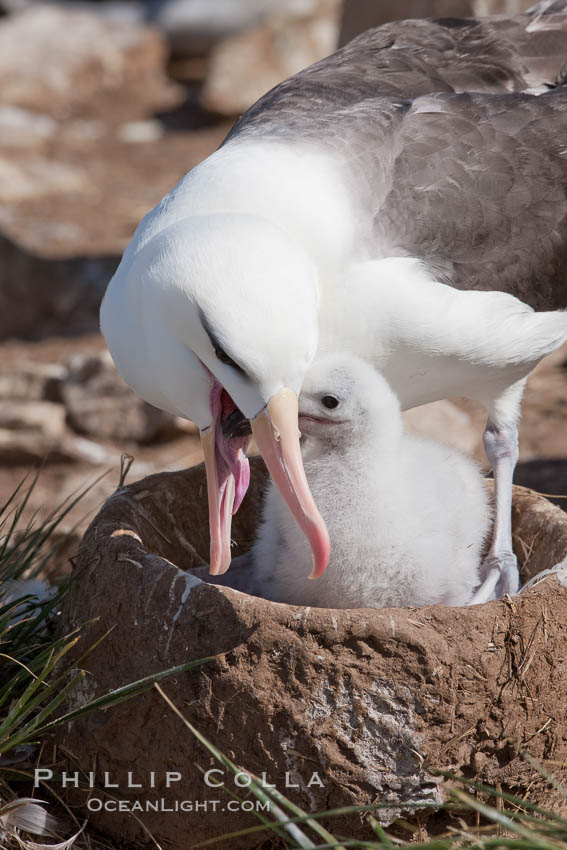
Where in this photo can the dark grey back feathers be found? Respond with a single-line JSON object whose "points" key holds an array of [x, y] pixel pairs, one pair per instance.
{"points": [[450, 158]]}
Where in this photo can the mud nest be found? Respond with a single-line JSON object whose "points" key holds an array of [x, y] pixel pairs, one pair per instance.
{"points": [[372, 701]]}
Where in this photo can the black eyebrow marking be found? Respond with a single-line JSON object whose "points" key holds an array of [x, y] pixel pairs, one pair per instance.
{"points": [[218, 346]]}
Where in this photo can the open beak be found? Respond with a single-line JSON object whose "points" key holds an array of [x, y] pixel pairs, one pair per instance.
{"points": [[228, 476], [276, 433]]}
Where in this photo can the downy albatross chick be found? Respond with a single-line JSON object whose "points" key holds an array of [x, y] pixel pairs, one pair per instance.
{"points": [[407, 516]]}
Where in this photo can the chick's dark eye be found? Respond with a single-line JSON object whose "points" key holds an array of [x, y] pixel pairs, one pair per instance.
{"points": [[330, 402]]}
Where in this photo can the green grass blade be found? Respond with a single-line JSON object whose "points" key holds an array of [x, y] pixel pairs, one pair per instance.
{"points": [[30, 699], [379, 831], [133, 689], [27, 733], [498, 817], [505, 796]]}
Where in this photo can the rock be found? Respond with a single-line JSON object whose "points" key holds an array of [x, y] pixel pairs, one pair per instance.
{"points": [[74, 448], [32, 382], [131, 12], [32, 431], [99, 60], [245, 66], [20, 128], [503, 7], [84, 131], [43, 418], [40, 297], [138, 132], [29, 430], [193, 27], [32, 177], [25, 448], [101, 405], [370, 701], [22, 448]]}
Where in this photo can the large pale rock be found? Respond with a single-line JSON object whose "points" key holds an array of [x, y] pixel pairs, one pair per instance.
{"points": [[194, 27], [501, 7], [101, 405], [242, 68], [39, 417], [35, 431], [369, 699], [20, 128], [29, 430], [32, 381], [97, 60], [30, 177]]}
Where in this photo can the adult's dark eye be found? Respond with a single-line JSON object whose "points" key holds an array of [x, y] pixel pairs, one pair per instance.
{"points": [[330, 402], [224, 358]]}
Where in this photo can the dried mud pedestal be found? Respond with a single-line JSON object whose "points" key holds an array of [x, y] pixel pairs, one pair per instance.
{"points": [[367, 700]]}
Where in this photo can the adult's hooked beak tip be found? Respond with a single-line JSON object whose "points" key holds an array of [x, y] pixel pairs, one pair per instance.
{"points": [[317, 568], [275, 430]]}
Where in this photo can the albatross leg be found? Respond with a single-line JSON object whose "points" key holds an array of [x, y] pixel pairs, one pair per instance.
{"points": [[500, 438], [500, 567], [501, 447]]}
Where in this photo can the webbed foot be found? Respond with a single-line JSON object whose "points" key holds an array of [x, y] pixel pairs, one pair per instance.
{"points": [[501, 577]]}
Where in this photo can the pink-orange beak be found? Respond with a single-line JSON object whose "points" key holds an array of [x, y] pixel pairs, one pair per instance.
{"points": [[228, 476], [276, 433]]}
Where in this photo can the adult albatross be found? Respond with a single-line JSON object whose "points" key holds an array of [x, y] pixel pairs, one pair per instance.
{"points": [[390, 200]]}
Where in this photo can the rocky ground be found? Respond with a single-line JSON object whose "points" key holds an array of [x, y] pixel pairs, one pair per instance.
{"points": [[88, 144]]}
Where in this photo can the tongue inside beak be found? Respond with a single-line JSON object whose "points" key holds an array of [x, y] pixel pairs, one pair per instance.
{"points": [[277, 437], [228, 477]]}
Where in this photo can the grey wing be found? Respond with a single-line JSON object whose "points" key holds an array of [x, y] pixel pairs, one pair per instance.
{"points": [[478, 190], [446, 158]]}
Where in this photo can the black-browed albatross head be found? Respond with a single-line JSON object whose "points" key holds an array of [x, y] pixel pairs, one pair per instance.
{"points": [[216, 314]]}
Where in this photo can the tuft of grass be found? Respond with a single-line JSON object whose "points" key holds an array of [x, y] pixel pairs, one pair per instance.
{"points": [[29, 650], [35, 680]]}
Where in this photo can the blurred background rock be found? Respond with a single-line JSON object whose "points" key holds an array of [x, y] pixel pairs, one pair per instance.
{"points": [[104, 106]]}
